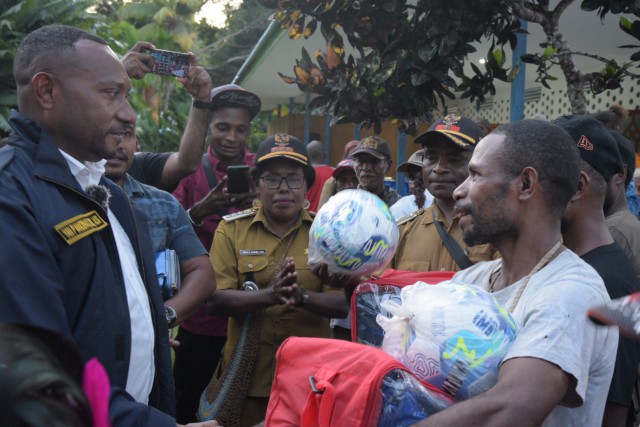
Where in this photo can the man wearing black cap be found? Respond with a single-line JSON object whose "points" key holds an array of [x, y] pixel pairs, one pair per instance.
{"points": [[431, 238], [165, 170], [623, 225], [585, 232], [203, 194], [372, 159]]}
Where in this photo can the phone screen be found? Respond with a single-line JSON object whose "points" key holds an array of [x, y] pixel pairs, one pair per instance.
{"points": [[238, 179], [169, 63]]}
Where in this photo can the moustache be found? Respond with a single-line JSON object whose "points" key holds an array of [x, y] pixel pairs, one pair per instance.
{"points": [[462, 209]]}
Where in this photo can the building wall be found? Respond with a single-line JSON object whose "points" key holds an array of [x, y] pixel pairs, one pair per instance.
{"points": [[550, 104], [341, 134], [541, 103]]}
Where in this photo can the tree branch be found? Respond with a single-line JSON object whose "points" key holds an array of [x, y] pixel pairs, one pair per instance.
{"points": [[523, 12], [218, 44], [228, 61], [606, 61], [561, 7]]}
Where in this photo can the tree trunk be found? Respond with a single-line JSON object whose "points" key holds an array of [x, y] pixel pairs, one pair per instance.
{"points": [[574, 77]]}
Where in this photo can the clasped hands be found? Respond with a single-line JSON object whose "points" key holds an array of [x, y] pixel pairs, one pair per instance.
{"points": [[284, 287]]}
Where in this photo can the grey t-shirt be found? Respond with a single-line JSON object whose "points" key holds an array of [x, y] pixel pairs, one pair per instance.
{"points": [[625, 229], [551, 314]]}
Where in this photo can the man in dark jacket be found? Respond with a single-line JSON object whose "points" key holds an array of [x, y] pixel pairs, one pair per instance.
{"points": [[75, 258]]}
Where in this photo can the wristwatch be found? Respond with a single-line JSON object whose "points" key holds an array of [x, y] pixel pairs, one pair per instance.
{"points": [[204, 105], [170, 313], [195, 224], [304, 297]]}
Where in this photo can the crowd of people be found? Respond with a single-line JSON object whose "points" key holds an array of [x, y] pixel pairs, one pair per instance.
{"points": [[536, 212]]}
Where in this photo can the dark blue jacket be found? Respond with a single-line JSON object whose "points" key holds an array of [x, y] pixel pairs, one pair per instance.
{"points": [[62, 272]]}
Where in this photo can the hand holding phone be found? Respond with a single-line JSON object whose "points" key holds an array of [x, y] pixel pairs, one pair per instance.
{"points": [[238, 179], [168, 63]]}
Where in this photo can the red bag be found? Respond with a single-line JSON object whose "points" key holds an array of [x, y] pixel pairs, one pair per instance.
{"points": [[334, 383], [366, 299]]}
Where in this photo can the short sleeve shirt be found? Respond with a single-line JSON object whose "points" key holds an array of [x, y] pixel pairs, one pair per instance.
{"points": [[191, 190], [244, 246], [553, 326], [147, 168], [420, 247], [625, 229], [169, 226], [620, 280]]}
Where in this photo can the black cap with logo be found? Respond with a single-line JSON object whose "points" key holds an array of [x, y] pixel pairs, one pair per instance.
{"points": [[595, 143], [284, 146], [463, 132]]}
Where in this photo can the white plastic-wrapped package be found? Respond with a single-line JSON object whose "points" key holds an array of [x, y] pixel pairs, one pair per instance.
{"points": [[353, 233], [452, 336]]}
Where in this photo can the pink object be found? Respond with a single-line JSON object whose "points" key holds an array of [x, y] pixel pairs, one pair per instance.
{"points": [[97, 388]]}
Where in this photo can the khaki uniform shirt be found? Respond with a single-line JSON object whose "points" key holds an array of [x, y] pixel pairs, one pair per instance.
{"points": [[243, 244], [420, 247]]}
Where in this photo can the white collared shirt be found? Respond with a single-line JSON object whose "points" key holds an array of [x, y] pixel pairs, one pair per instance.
{"points": [[141, 361]]}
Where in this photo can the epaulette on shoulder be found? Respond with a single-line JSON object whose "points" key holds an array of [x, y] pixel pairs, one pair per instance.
{"points": [[238, 215], [410, 217], [6, 155]]}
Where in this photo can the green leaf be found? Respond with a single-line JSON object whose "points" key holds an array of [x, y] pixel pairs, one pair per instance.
{"points": [[498, 55], [549, 51], [379, 91], [625, 23]]}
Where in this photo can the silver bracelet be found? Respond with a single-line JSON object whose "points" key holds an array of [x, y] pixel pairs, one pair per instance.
{"points": [[192, 221]]}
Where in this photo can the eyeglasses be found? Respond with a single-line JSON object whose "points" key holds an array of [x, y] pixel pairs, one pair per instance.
{"points": [[273, 182]]}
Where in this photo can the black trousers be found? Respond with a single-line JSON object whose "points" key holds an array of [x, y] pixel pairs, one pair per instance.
{"points": [[195, 361]]}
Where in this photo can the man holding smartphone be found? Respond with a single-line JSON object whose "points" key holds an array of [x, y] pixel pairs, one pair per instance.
{"points": [[165, 170], [202, 336]]}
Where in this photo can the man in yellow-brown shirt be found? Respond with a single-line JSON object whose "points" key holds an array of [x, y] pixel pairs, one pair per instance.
{"points": [[448, 145]]}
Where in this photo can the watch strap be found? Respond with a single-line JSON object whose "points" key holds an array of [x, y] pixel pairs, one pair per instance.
{"points": [[171, 316], [204, 105]]}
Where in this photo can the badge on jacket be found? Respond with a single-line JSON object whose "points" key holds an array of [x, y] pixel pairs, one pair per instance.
{"points": [[80, 226]]}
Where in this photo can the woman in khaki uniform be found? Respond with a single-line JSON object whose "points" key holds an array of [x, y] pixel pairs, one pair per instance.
{"points": [[267, 245]]}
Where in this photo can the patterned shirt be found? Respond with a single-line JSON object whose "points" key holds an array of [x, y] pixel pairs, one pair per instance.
{"points": [[169, 226]]}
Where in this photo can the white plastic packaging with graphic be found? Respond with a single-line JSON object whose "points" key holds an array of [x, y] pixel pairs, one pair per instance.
{"points": [[451, 335], [353, 233]]}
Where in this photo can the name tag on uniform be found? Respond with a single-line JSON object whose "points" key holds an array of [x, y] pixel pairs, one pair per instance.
{"points": [[253, 252], [80, 227]]}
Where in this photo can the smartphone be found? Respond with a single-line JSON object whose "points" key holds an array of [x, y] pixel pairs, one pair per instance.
{"points": [[238, 179], [169, 63]]}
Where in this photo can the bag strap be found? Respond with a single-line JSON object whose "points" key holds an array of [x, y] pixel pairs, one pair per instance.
{"points": [[318, 411], [211, 177], [453, 247], [208, 170]]}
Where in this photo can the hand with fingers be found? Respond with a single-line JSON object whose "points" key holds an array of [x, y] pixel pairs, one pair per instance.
{"points": [[217, 201], [284, 285], [335, 280], [137, 63], [198, 81]]}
